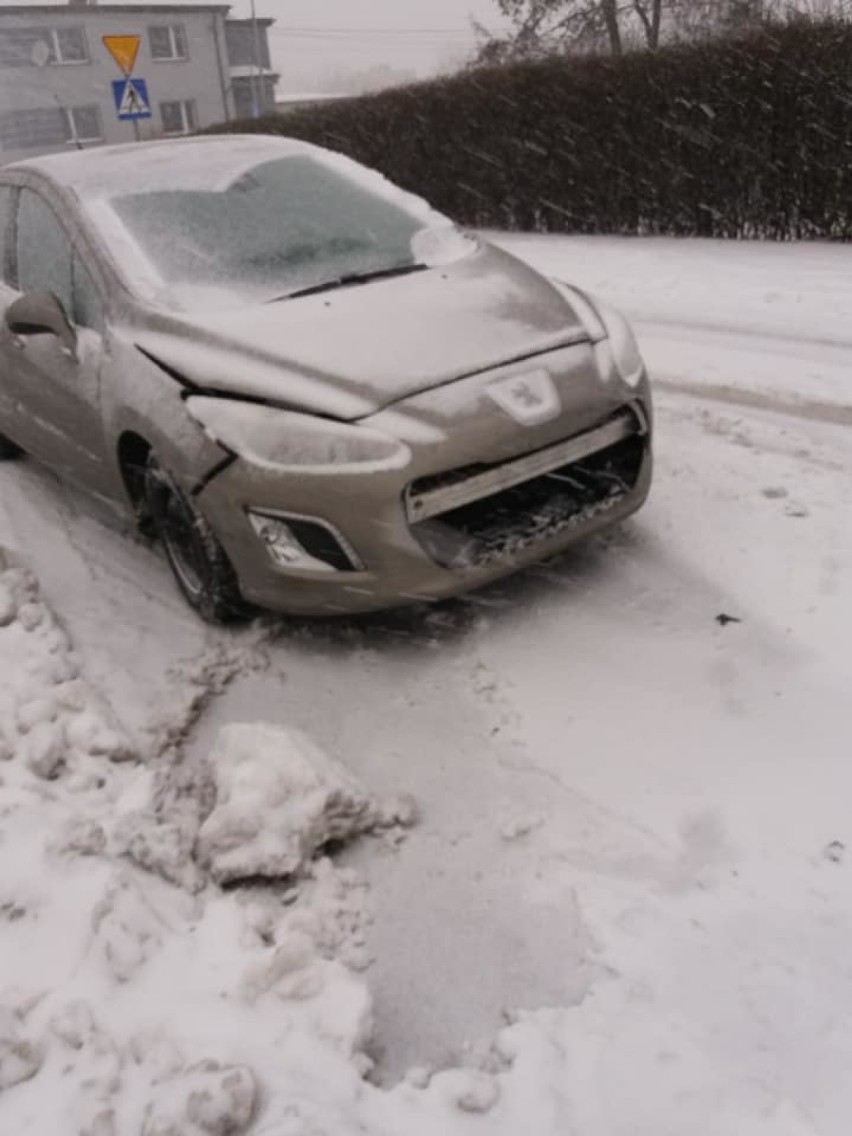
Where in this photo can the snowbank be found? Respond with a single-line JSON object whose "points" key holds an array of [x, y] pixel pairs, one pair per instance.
{"points": [[135, 996]]}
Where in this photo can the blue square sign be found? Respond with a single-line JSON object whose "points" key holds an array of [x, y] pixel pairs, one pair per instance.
{"points": [[131, 99]]}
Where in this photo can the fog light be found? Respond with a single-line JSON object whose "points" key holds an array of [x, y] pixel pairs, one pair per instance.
{"points": [[283, 546], [306, 543]]}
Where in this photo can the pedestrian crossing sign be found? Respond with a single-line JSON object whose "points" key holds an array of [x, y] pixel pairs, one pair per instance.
{"points": [[131, 99]]}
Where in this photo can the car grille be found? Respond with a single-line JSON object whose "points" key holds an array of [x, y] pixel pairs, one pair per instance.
{"points": [[469, 517]]}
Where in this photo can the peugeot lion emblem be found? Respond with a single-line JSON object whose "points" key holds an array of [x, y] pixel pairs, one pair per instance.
{"points": [[530, 398]]}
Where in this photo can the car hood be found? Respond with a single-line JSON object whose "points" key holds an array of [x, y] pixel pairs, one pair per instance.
{"points": [[350, 352]]}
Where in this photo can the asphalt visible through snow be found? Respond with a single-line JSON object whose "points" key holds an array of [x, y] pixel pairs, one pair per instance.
{"points": [[616, 786]]}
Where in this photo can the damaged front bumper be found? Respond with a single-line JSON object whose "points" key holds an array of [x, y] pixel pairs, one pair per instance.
{"points": [[340, 541]]}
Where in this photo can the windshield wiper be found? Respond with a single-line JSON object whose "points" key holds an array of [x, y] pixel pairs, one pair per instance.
{"points": [[351, 278]]}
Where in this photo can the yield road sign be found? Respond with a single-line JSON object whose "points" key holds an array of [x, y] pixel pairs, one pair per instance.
{"points": [[131, 99], [124, 50]]}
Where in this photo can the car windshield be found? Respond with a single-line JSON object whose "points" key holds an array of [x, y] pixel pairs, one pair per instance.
{"points": [[283, 226]]}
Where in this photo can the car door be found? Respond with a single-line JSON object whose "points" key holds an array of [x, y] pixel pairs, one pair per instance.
{"points": [[56, 392]]}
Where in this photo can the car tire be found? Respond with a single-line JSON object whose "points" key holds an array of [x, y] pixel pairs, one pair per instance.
{"points": [[8, 449], [200, 565]]}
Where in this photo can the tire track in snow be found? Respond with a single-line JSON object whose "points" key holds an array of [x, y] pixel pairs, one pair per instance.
{"points": [[808, 409]]}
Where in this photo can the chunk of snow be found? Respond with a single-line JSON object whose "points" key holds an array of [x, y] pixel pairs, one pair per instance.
{"points": [[468, 1089], [44, 750], [8, 607], [74, 1025], [207, 1099], [20, 1059], [161, 846], [88, 732], [81, 836], [31, 616], [279, 800], [127, 928], [34, 712]]}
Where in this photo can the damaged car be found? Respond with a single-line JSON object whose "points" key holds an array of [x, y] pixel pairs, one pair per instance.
{"points": [[316, 391]]}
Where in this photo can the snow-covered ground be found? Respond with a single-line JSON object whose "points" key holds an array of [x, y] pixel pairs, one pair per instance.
{"points": [[623, 908]]}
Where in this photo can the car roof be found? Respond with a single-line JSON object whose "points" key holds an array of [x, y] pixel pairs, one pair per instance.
{"points": [[106, 171]]}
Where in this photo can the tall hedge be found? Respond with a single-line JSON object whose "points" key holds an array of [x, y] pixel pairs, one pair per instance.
{"points": [[738, 138]]}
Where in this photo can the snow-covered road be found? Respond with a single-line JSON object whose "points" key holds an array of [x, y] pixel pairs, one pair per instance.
{"points": [[633, 811]]}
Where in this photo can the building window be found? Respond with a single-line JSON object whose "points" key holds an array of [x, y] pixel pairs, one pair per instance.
{"points": [[69, 46], [168, 42], [179, 117], [83, 124], [243, 98], [17, 47], [253, 96], [247, 46], [31, 47], [33, 129], [50, 127]]}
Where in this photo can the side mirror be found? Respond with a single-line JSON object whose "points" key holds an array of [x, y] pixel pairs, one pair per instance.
{"points": [[41, 313]]}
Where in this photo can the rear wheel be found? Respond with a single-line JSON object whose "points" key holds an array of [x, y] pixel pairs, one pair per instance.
{"points": [[200, 565], [8, 449]]}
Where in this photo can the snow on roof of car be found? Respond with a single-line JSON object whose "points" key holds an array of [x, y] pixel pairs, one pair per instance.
{"points": [[136, 167]]}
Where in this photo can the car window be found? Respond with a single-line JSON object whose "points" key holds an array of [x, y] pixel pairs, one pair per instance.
{"points": [[87, 307], [47, 262], [44, 251], [6, 201]]}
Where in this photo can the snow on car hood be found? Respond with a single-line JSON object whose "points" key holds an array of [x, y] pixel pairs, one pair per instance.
{"points": [[350, 352]]}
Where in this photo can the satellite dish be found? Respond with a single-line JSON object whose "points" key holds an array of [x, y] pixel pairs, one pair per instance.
{"points": [[41, 53]]}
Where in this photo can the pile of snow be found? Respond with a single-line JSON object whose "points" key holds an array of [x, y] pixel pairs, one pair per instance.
{"points": [[47, 713], [279, 799], [136, 997]]}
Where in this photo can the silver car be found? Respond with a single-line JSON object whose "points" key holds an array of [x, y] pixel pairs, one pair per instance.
{"points": [[320, 394]]}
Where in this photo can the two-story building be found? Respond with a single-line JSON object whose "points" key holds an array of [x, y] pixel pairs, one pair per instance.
{"points": [[61, 86]]}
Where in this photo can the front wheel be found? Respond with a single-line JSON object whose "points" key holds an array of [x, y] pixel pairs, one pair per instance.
{"points": [[8, 449], [200, 565]]}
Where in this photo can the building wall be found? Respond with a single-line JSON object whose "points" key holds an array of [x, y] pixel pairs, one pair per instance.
{"points": [[36, 101]]}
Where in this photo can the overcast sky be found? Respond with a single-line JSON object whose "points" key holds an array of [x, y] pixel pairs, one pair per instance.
{"points": [[317, 40], [314, 39]]}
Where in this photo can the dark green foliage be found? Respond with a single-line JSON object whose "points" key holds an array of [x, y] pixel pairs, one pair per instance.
{"points": [[735, 138]]}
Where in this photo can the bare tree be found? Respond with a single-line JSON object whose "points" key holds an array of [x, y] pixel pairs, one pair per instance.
{"points": [[540, 27], [650, 13], [544, 27], [609, 13]]}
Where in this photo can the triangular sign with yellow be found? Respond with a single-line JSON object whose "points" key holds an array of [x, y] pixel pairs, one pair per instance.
{"points": [[124, 50]]}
